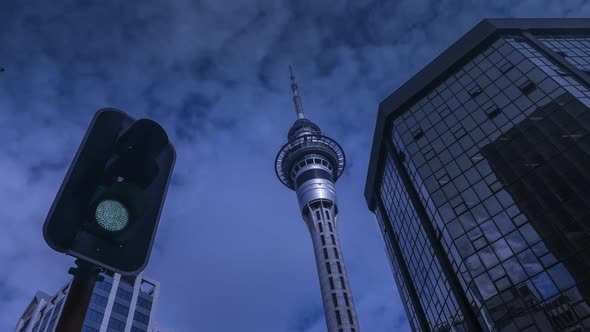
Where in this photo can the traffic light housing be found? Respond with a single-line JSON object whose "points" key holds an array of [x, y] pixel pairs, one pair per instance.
{"points": [[108, 207]]}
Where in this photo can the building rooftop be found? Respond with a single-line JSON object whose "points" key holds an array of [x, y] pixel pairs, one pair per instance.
{"points": [[456, 55]]}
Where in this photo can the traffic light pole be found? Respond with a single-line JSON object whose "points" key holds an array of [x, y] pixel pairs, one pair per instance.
{"points": [[78, 298]]}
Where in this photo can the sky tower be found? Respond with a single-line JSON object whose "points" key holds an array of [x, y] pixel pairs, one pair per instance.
{"points": [[310, 163]]}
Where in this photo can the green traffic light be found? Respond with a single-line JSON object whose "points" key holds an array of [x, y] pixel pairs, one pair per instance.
{"points": [[111, 215]]}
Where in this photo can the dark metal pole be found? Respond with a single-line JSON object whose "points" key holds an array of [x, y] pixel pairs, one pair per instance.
{"points": [[78, 299]]}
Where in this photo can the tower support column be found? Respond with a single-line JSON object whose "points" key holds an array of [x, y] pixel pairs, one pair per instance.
{"points": [[322, 220]]}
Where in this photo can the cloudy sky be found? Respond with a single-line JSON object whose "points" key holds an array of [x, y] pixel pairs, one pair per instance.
{"points": [[232, 252]]}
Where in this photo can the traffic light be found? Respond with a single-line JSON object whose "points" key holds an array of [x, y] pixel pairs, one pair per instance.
{"points": [[108, 207]]}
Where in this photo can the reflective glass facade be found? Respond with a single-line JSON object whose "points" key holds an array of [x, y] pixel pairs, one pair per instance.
{"points": [[117, 304], [574, 49], [483, 195], [430, 286], [98, 304]]}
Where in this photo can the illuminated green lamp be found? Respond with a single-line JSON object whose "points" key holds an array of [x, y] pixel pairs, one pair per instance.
{"points": [[111, 215]]}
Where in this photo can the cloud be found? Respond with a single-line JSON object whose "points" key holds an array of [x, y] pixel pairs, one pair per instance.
{"points": [[232, 253]]}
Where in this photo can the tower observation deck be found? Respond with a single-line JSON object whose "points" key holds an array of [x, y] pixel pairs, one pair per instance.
{"points": [[310, 163]]}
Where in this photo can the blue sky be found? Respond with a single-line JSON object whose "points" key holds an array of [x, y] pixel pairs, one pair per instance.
{"points": [[232, 252]]}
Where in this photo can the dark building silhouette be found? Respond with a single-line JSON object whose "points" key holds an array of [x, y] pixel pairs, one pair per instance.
{"points": [[480, 181]]}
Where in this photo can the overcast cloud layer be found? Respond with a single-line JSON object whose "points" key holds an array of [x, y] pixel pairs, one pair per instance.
{"points": [[232, 253]]}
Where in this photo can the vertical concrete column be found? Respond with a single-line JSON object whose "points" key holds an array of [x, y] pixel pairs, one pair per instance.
{"points": [[109, 308], [336, 293]]}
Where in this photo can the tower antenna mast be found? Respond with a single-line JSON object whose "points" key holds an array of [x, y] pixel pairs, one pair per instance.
{"points": [[296, 98]]}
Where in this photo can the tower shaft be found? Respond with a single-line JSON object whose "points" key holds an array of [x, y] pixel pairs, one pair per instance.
{"points": [[316, 195], [322, 221]]}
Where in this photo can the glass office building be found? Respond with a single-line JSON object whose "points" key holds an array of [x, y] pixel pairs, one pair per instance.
{"points": [[479, 179], [118, 304]]}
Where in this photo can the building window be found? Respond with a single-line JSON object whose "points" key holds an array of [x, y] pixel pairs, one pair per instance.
{"points": [[326, 253], [52, 324], [504, 66], [331, 280], [323, 240], [88, 329], [339, 267], [146, 304], [141, 318], [342, 283], [526, 87], [417, 133], [333, 239], [328, 268], [338, 318], [45, 320], [36, 326], [104, 285], [318, 216], [116, 324], [561, 72], [561, 53], [123, 294], [346, 299], [473, 90], [492, 111], [334, 299], [321, 228], [330, 226], [137, 329], [56, 312], [458, 131], [120, 309], [25, 325], [94, 316], [336, 253], [327, 214], [99, 300], [350, 317]]}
